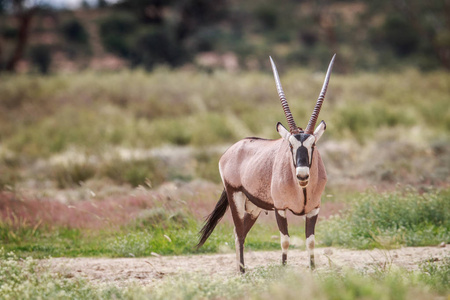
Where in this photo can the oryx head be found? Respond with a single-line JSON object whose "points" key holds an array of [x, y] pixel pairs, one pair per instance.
{"points": [[302, 142]]}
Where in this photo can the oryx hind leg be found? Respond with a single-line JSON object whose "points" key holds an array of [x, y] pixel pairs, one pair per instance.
{"points": [[244, 215], [280, 215], [310, 224]]}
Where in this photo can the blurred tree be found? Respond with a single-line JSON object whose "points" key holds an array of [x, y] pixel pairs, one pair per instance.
{"points": [[76, 38], [2, 26], [154, 45], [400, 35], [102, 3], [40, 56], [23, 13], [416, 26], [116, 31], [74, 32], [147, 11], [196, 14], [431, 21], [85, 5], [160, 31]]}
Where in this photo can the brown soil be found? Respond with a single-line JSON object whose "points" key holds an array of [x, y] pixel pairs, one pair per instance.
{"points": [[122, 271]]}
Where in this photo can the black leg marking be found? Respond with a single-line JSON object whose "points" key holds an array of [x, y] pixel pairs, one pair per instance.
{"points": [[284, 235], [309, 230]]}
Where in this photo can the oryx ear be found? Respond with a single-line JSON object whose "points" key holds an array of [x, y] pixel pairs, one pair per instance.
{"points": [[319, 130], [285, 134]]}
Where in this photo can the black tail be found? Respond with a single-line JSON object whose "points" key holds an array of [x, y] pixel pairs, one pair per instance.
{"points": [[213, 219]]}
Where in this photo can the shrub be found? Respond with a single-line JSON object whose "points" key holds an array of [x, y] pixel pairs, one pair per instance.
{"points": [[115, 31], [33, 279], [72, 174], [436, 274], [135, 172], [9, 32], [400, 35], [74, 32], [40, 56], [391, 219], [207, 166], [156, 45]]}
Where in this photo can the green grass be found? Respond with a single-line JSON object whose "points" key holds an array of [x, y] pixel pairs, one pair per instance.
{"points": [[130, 241], [134, 108], [373, 220], [31, 279], [402, 218], [98, 113], [135, 171]]}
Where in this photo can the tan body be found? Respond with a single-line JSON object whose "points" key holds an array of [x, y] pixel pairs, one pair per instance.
{"points": [[264, 171]]}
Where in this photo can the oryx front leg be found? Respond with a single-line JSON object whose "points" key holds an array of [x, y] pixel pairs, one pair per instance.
{"points": [[284, 235], [311, 219], [244, 216]]}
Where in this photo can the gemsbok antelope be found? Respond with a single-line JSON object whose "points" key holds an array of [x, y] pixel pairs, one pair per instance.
{"points": [[283, 174]]}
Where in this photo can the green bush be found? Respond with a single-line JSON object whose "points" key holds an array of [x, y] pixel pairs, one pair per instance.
{"points": [[74, 32], [9, 32], [136, 172], [207, 166], [72, 174], [390, 220], [155, 45], [436, 274], [115, 31], [41, 57], [31, 279], [400, 35]]}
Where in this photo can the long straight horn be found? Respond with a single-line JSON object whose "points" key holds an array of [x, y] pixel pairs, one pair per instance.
{"points": [[287, 112], [315, 114]]}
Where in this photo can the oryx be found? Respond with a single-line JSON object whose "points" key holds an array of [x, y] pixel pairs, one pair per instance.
{"points": [[283, 174]]}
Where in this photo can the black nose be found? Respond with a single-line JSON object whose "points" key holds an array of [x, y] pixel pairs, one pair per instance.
{"points": [[302, 178]]}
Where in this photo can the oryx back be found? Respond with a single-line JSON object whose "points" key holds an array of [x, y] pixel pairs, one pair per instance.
{"points": [[247, 166]]}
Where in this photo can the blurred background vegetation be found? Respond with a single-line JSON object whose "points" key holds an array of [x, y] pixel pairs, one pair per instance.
{"points": [[113, 116], [226, 34], [128, 78], [117, 112]]}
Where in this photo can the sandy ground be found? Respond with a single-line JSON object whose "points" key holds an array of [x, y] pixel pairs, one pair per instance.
{"points": [[122, 271]]}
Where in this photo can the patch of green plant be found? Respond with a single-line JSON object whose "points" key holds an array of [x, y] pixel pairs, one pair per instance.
{"points": [[392, 219], [74, 32], [135, 172], [8, 177], [279, 282], [139, 109], [71, 174], [374, 220], [165, 232], [29, 279], [158, 230], [41, 57], [207, 166], [436, 274], [42, 241], [115, 31]]}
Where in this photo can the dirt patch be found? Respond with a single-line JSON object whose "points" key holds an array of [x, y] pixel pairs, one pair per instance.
{"points": [[122, 271]]}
